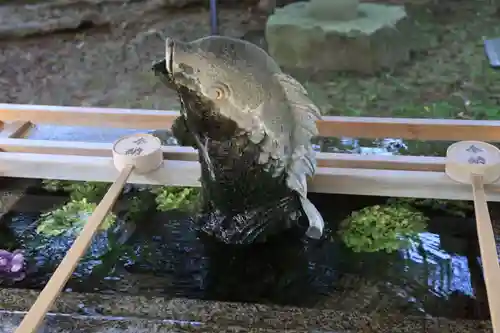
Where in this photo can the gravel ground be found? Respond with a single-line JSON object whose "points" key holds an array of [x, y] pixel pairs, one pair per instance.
{"points": [[49, 55], [108, 65]]}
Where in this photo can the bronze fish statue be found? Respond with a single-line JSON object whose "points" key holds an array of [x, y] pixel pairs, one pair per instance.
{"points": [[252, 125]]}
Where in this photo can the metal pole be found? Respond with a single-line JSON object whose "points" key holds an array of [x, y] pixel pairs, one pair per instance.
{"points": [[214, 18]]}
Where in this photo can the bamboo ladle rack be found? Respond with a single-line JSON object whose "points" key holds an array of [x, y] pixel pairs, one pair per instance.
{"points": [[140, 153], [478, 163]]}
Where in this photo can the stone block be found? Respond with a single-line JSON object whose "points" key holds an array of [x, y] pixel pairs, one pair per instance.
{"points": [[379, 37]]}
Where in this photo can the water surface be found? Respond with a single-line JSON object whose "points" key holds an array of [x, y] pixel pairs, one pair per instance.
{"points": [[439, 275]]}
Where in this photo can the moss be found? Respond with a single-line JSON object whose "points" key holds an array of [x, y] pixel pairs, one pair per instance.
{"points": [[176, 198], [72, 215], [166, 197], [84, 197], [382, 228], [90, 191]]}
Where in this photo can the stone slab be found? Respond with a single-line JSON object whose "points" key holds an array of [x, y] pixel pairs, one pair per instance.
{"points": [[78, 312]]}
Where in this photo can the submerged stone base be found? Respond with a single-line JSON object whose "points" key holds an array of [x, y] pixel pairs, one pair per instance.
{"points": [[98, 313], [378, 37]]}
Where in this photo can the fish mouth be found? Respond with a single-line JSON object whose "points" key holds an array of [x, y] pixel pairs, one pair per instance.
{"points": [[179, 83], [185, 86], [164, 68], [186, 93], [195, 106], [160, 70]]}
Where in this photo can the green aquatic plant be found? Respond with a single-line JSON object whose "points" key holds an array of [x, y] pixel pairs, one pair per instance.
{"points": [[91, 191], [167, 197], [176, 198], [53, 185], [382, 228], [71, 216], [457, 208]]}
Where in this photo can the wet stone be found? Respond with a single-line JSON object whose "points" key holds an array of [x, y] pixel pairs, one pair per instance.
{"points": [[121, 313]]}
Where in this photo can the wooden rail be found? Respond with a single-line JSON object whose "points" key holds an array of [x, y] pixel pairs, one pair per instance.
{"points": [[397, 176], [357, 127], [397, 183], [332, 160]]}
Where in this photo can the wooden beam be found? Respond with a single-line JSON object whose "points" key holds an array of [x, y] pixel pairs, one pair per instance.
{"points": [[358, 127], [85, 116], [394, 183], [415, 163], [16, 129], [381, 162], [411, 128], [69, 167]]}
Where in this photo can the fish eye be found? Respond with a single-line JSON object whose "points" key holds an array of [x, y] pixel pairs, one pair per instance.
{"points": [[220, 91], [219, 94]]}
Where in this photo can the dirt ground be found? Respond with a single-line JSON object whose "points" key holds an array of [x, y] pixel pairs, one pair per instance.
{"points": [[109, 65]]}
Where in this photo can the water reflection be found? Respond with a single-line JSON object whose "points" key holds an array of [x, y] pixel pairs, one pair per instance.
{"points": [[78, 133], [445, 272], [360, 146]]}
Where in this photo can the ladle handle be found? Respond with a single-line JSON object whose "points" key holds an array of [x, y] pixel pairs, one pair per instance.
{"points": [[31, 322], [489, 255]]}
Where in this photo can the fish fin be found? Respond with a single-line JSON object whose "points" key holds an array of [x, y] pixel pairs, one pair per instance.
{"points": [[297, 181], [304, 111], [305, 114], [316, 222], [303, 164], [303, 161]]}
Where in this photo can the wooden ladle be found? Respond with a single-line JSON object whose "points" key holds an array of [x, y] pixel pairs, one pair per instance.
{"points": [[140, 153], [478, 163]]}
